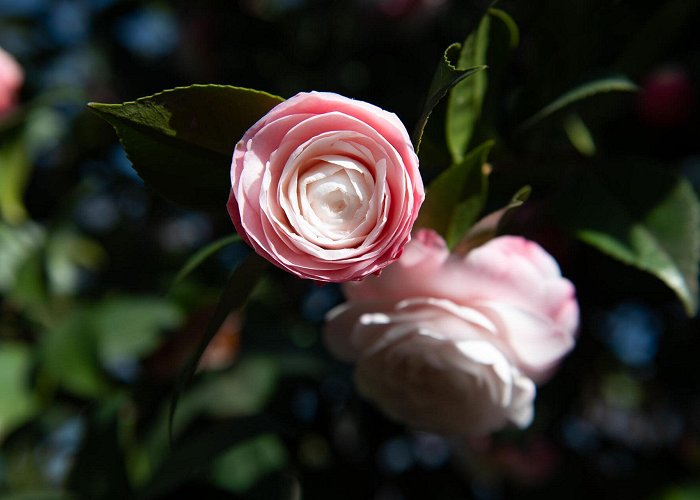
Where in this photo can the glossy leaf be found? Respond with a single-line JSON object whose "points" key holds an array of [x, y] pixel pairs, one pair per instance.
{"points": [[456, 197], [466, 97], [180, 141], [643, 216], [447, 76], [604, 85]]}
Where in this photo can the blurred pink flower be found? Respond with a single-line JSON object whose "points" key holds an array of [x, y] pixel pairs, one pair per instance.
{"points": [[11, 80], [452, 343]]}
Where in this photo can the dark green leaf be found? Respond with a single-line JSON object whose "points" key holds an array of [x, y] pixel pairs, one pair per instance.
{"points": [[490, 226], [446, 77], [455, 198], [509, 23], [466, 97], [203, 254], [642, 215], [248, 462], [15, 168], [181, 141], [610, 84], [17, 402], [193, 457], [240, 284]]}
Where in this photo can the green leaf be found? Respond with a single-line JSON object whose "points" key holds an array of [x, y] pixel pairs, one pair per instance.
{"points": [[15, 169], [510, 24], [490, 226], [240, 284], [609, 84], [446, 77], [130, 327], [203, 254], [642, 215], [248, 462], [579, 134], [455, 198], [17, 402], [193, 457], [466, 97], [181, 141], [69, 355]]}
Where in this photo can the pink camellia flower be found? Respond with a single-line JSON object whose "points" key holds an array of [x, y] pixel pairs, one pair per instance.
{"points": [[455, 344], [326, 187], [11, 80]]}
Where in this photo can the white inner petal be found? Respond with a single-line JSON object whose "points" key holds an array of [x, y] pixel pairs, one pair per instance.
{"points": [[335, 195]]}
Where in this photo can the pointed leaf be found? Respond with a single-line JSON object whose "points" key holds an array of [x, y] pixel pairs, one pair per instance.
{"points": [[181, 141], [579, 134], [446, 77], [610, 84], [240, 284], [466, 97], [455, 198], [643, 216], [203, 254], [490, 226]]}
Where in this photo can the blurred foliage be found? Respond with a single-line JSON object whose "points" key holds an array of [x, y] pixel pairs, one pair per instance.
{"points": [[96, 332]]}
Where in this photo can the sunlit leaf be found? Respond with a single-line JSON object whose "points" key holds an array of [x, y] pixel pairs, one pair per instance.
{"points": [[203, 254], [456, 197], [181, 141], [466, 97], [446, 76], [603, 85], [642, 215], [17, 401]]}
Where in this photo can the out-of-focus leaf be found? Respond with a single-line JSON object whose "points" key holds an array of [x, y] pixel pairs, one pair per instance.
{"points": [[129, 328], [15, 169], [641, 215], [579, 135], [455, 198], [193, 457], [203, 254], [248, 462], [682, 492], [509, 23], [69, 355], [240, 284], [489, 226], [99, 472], [17, 243], [66, 252], [17, 402], [181, 141], [38, 495], [466, 97], [244, 390], [447, 76], [603, 85]]}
